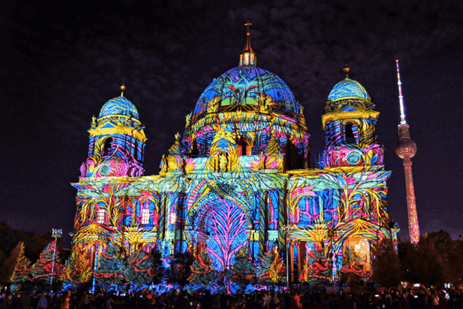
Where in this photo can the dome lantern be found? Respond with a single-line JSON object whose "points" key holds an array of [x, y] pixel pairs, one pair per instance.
{"points": [[248, 56]]}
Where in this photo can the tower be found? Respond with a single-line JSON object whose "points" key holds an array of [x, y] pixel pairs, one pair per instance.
{"points": [[406, 149], [117, 141], [350, 127]]}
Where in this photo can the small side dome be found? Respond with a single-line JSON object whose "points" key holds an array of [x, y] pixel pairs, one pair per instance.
{"points": [[348, 89], [348, 95], [119, 106]]}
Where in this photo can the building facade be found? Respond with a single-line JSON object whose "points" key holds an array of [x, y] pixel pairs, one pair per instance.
{"points": [[236, 200]]}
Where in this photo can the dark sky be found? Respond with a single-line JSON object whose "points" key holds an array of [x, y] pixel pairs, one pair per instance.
{"points": [[60, 63]]}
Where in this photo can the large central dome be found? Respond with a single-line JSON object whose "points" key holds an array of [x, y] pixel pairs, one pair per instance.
{"points": [[247, 85]]}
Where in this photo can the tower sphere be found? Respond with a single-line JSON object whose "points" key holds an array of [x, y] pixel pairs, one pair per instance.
{"points": [[406, 148]]}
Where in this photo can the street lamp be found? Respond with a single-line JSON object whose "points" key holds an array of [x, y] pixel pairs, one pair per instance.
{"points": [[95, 264], [288, 230], [331, 235], [55, 233]]}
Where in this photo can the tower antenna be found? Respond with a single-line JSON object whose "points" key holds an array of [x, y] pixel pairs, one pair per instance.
{"points": [[401, 97]]}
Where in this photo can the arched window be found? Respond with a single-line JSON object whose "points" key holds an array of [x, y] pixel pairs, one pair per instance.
{"points": [[349, 136], [293, 159], [108, 143], [242, 147], [194, 151]]}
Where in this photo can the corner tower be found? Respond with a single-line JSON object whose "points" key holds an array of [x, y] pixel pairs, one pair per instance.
{"points": [[350, 127], [117, 141]]}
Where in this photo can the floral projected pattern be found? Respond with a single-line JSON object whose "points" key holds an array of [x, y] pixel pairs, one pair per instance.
{"points": [[236, 204]]}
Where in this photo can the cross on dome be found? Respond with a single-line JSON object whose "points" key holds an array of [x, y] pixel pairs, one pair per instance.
{"points": [[247, 25]]}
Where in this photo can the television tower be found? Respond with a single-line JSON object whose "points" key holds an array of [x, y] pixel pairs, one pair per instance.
{"points": [[406, 149]]}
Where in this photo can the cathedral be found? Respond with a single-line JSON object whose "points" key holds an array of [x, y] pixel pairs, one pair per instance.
{"points": [[236, 201]]}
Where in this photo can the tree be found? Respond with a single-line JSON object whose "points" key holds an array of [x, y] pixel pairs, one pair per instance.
{"points": [[110, 266], [139, 269], [79, 268], [42, 270], [2, 263], [387, 269], [352, 269], [456, 262], [317, 268], [272, 270], [423, 263], [202, 272], [22, 268], [243, 271], [10, 263], [451, 253], [33, 242]]}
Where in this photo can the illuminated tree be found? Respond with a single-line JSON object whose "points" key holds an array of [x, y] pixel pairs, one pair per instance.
{"points": [[387, 269], [111, 264], [10, 263], [140, 269], [21, 270], [243, 271], [272, 270], [41, 270], [79, 268], [201, 270], [317, 268]]}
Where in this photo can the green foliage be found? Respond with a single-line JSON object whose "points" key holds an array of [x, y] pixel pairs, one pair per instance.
{"points": [[41, 270], [387, 269], [271, 270], [10, 263], [21, 270], [111, 264], [202, 272], [243, 271], [317, 270], [423, 263], [140, 268]]}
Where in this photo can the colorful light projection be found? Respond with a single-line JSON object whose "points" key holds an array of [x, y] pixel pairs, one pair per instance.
{"points": [[235, 204]]}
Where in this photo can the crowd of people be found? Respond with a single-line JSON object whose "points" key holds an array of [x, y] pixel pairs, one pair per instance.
{"points": [[417, 298]]}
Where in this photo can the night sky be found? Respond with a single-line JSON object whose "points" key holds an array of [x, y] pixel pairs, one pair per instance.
{"points": [[60, 64]]}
